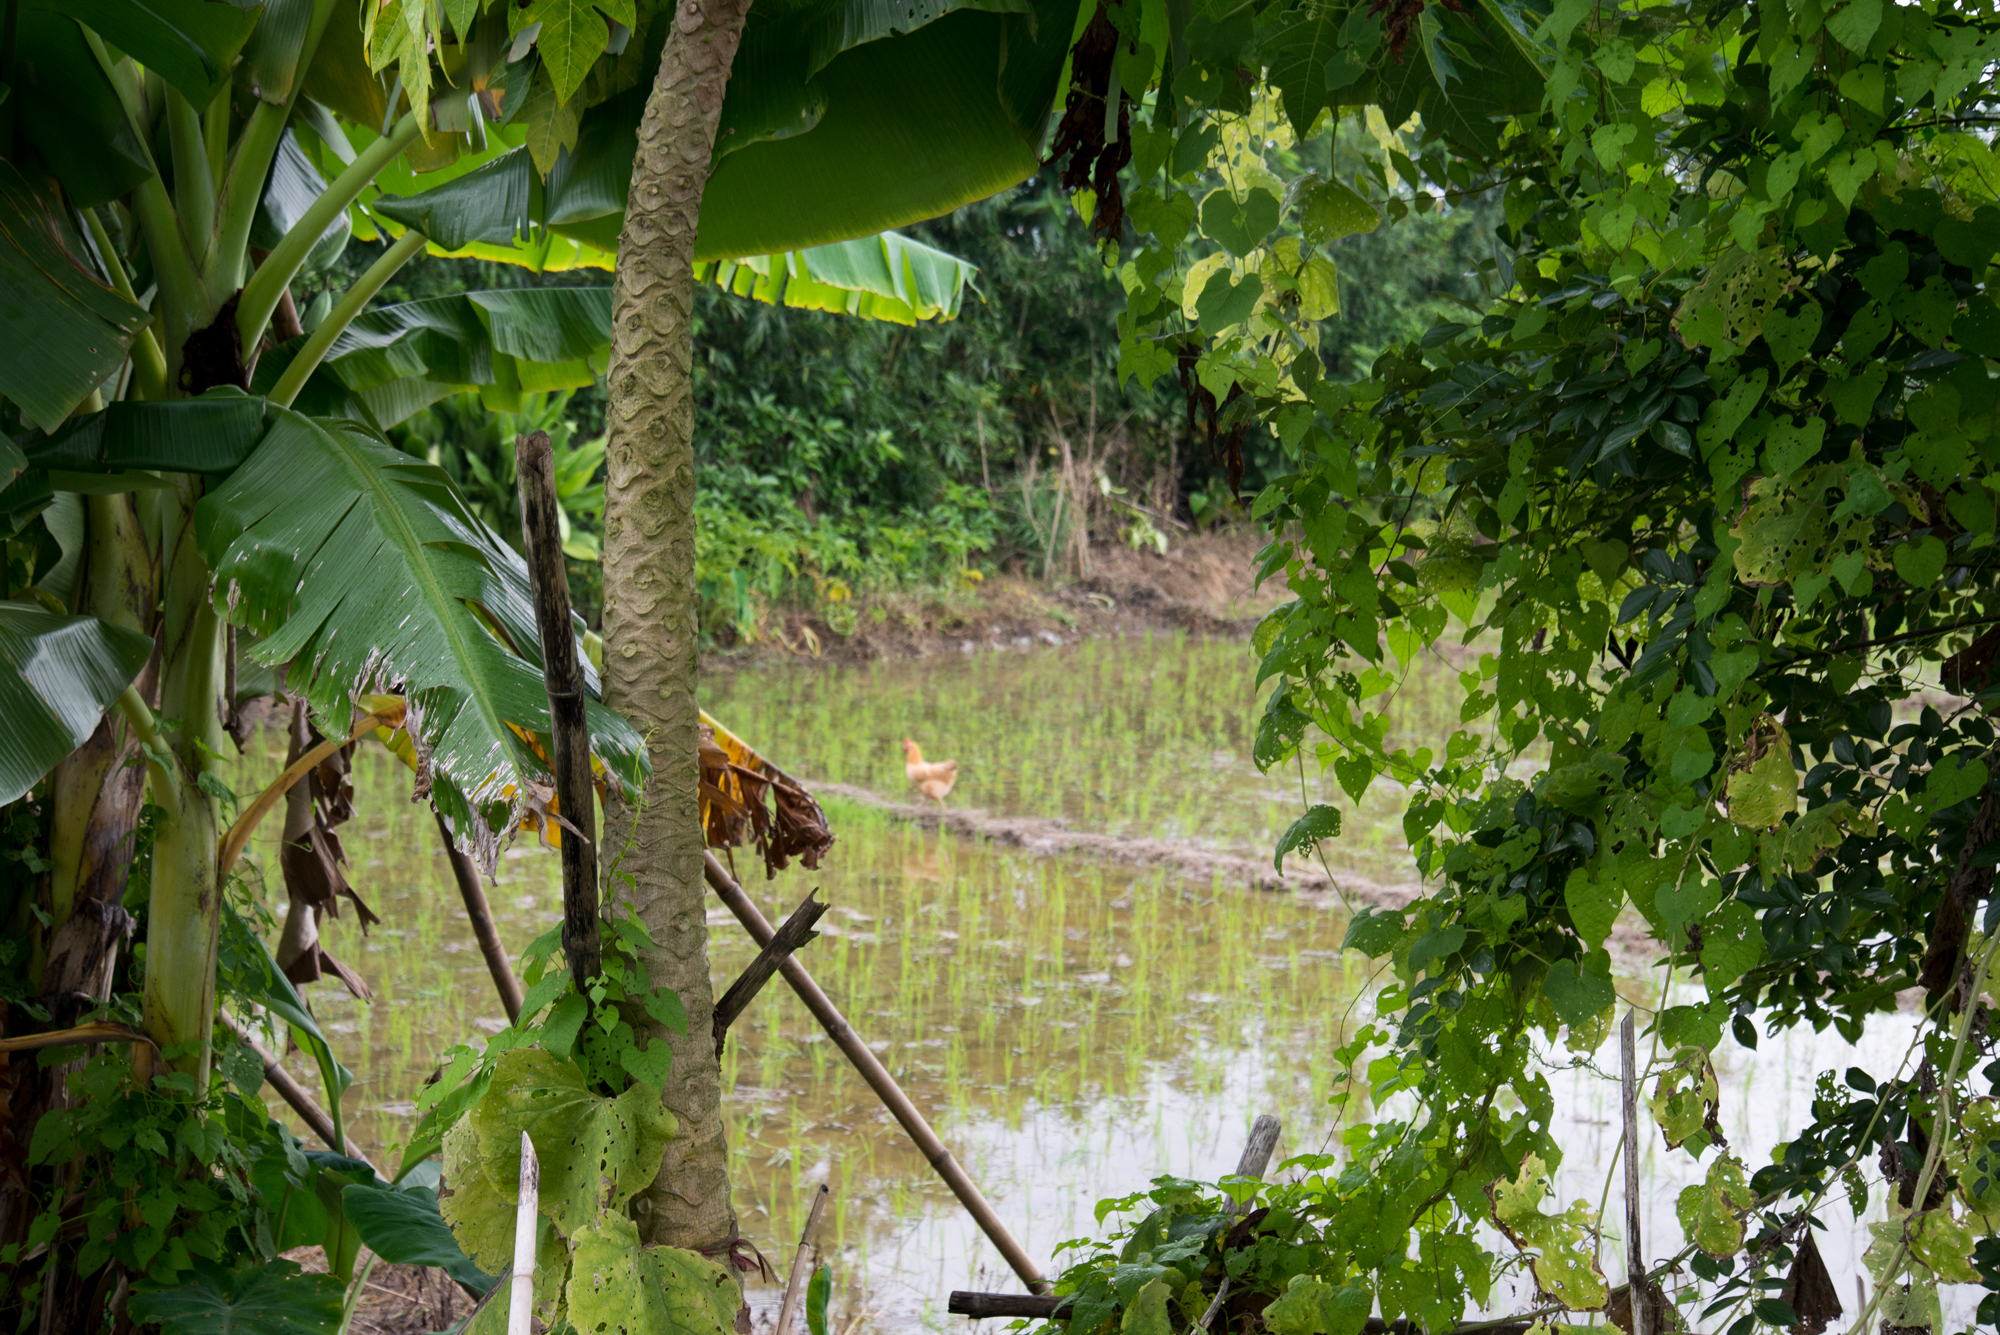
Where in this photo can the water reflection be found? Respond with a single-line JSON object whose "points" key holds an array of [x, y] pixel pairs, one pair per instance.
{"points": [[1072, 1029]]}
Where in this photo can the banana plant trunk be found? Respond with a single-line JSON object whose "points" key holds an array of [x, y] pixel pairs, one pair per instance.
{"points": [[649, 597], [184, 913]]}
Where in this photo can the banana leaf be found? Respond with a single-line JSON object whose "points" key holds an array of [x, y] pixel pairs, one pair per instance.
{"points": [[64, 329], [841, 120], [887, 277], [364, 568], [914, 126], [212, 434], [189, 43], [57, 677], [66, 108], [292, 188]]}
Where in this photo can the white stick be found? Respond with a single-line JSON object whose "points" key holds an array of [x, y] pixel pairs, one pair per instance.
{"points": [[802, 1261], [521, 1297]]}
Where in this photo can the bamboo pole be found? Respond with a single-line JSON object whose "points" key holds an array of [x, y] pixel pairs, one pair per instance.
{"points": [[562, 671], [877, 1076], [802, 1260], [1048, 1306], [1635, 1257], [294, 1094], [521, 1285], [480, 913]]}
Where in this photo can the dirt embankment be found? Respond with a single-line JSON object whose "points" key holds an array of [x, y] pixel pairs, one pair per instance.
{"points": [[1204, 584], [1050, 838]]}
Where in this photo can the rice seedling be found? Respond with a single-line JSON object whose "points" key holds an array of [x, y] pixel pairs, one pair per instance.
{"points": [[1071, 1028]]}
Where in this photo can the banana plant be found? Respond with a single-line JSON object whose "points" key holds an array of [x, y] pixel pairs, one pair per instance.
{"points": [[194, 482]]}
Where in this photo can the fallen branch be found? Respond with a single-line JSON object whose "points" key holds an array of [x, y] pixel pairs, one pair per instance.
{"points": [[794, 932]]}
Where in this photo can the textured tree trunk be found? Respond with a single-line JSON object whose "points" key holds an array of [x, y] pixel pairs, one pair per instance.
{"points": [[649, 613]]}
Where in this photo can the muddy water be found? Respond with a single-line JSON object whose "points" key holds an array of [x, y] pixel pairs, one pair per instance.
{"points": [[1071, 1028]]}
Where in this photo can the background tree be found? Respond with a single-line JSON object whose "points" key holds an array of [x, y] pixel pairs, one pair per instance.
{"points": [[1704, 487]]}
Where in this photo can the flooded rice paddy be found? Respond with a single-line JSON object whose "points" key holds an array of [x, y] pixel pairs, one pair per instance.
{"points": [[1071, 1028]]}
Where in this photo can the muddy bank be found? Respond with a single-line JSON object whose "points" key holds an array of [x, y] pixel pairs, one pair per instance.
{"points": [[1203, 585], [1632, 949], [1054, 838]]}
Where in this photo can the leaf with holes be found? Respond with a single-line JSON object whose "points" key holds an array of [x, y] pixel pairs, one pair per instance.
{"points": [[1579, 994], [617, 1287], [1780, 532], [1560, 1248], [1311, 1306], [1711, 1212], [1685, 1098], [597, 1153], [1320, 823], [1790, 337]]}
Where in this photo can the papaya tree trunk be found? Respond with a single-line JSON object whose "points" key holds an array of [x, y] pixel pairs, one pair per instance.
{"points": [[649, 595]]}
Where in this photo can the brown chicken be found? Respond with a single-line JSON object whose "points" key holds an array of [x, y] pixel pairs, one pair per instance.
{"points": [[931, 778]]}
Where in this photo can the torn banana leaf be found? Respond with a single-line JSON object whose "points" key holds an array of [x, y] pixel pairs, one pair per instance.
{"points": [[887, 277], [365, 569], [737, 784], [57, 676]]}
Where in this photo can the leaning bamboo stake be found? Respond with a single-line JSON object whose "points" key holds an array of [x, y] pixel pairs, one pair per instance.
{"points": [[877, 1076], [480, 914], [802, 1260], [562, 672], [1635, 1258], [293, 1093], [521, 1292]]}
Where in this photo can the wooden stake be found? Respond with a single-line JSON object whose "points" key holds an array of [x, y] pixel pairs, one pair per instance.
{"points": [[521, 1295], [480, 914], [534, 463], [802, 1260], [1256, 1158], [1635, 1257], [792, 933], [877, 1076]]}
